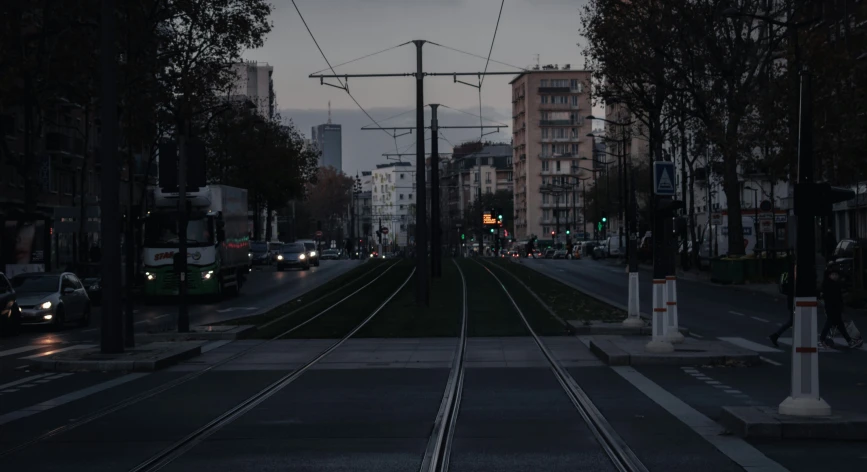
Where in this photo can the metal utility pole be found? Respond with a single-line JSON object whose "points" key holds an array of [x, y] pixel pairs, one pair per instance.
{"points": [[181, 264], [422, 284], [436, 262], [129, 325], [111, 335]]}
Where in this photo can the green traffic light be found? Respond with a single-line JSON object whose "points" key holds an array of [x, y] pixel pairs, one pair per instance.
{"points": [[500, 217], [463, 236], [492, 230], [567, 231], [599, 226], [604, 219]]}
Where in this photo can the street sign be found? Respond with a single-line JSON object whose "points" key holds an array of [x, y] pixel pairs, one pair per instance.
{"points": [[781, 218], [663, 178], [716, 218], [318, 234], [383, 230], [766, 226], [488, 218], [766, 215]]}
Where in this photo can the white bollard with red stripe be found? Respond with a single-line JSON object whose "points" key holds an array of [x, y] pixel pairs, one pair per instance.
{"points": [[804, 399], [659, 341], [672, 332], [633, 319]]}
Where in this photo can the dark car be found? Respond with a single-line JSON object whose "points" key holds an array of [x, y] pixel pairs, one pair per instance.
{"points": [[293, 256], [848, 255], [275, 249], [10, 313], [260, 253], [93, 287], [330, 255]]}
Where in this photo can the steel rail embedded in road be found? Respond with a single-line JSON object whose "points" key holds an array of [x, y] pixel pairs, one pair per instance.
{"points": [[436, 457], [614, 446], [186, 378], [180, 447]]}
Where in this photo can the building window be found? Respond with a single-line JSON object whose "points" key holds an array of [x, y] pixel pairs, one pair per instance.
{"points": [[488, 189], [545, 230], [545, 198], [410, 196], [545, 99], [487, 177], [401, 176], [389, 177], [401, 196], [545, 166], [543, 83], [558, 166], [477, 177], [574, 100], [509, 176]]}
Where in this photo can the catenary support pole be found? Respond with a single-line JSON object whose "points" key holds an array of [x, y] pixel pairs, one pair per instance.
{"points": [[633, 318], [436, 257], [659, 341], [111, 335], [805, 399], [422, 274], [673, 333], [183, 314]]}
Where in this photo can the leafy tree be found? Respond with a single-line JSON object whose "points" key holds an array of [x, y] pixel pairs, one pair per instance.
{"points": [[328, 198]]}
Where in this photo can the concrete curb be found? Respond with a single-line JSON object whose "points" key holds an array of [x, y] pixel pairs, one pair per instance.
{"points": [[180, 352], [615, 328], [765, 422], [615, 352], [203, 332]]}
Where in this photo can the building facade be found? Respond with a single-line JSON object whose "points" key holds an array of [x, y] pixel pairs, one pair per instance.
{"points": [[393, 202], [549, 109], [254, 82], [329, 139]]}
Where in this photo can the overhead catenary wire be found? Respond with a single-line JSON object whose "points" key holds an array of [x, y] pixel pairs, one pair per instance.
{"points": [[524, 69], [342, 85], [364, 57], [473, 115], [482, 77]]}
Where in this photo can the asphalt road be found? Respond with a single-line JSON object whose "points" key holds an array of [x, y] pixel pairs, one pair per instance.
{"points": [[265, 288], [744, 318]]}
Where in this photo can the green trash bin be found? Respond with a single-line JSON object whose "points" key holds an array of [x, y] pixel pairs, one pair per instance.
{"points": [[727, 271]]}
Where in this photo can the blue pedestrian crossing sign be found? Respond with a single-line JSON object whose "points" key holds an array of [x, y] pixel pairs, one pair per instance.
{"points": [[663, 178]]}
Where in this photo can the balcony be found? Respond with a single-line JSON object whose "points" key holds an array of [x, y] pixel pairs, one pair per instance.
{"points": [[59, 143], [554, 90], [567, 139], [558, 106], [559, 123], [565, 155]]}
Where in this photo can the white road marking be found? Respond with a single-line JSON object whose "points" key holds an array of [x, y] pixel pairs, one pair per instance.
{"points": [[696, 335], [837, 341], [736, 313], [22, 367], [225, 310], [162, 316], [733, 447], [759, 319], [60, 376], [69, 397], [747, 344], [770, 361], [69, 348], [11, 390], [23, 381], [21, 349]]}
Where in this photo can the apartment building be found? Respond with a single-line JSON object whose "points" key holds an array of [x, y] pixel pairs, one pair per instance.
{"points": [[255, 83], [549, 109], [393, 203]]}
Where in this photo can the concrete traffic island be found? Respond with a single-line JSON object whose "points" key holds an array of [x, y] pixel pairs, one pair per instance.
{"points": [[614, 328], [631, 350], [142, 358], [201, 333], [767, 422]]}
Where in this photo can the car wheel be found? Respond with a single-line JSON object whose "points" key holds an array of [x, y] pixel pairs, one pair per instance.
{"points": [[59, 319], [85, 317]]}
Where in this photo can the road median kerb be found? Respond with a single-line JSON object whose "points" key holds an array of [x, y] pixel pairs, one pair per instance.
{"points": [[766, 422], [692, 352], [143, 358], [201, 333]]}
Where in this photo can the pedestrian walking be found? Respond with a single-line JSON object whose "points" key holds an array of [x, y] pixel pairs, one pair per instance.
{"points": [[832, 292], [789, 287]]}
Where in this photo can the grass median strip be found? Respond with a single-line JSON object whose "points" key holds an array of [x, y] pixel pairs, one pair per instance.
{"points": [[565, 301], [345, 316], [490, 311], [331, 291], [403, 318]]}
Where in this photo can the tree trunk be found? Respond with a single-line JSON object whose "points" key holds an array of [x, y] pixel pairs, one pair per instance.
{"points": [[681, 128], [268, 220], [82, 215], [692, 233], [732, 189]]}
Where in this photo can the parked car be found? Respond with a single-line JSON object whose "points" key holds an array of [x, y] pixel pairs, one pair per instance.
{"points": [[10, 313], [51, 299], [312, 253], [845, 258], [549, 253], [293, 256], [330, 255], [560, 254], [260, 252]]}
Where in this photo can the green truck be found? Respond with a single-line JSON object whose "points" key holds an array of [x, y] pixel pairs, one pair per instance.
{"points": [[218, 242]]}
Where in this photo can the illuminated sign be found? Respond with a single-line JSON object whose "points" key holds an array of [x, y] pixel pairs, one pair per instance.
{"points": [[489, 219]]}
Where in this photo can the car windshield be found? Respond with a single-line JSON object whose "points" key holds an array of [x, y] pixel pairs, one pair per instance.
{"points": [[35, 283], [310, 246], [293, 248], [258, 247], [845, 248], [329, 251]]}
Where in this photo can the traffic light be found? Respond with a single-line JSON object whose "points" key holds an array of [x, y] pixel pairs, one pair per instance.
{"points": [[567, 231], [552, 233], [599, 226], [500, 217], [604, 217], [492, 230], [463, 236]]}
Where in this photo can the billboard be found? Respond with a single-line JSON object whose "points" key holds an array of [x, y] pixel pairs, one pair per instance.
{"points": [[24, 247]]}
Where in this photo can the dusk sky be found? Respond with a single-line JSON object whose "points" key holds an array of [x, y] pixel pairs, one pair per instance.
{"points": [[348, 29]]}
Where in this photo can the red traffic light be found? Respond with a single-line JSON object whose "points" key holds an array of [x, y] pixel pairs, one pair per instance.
{"points": [[552, 233]]}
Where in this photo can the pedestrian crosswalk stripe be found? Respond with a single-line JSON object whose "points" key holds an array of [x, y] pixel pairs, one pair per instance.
{"points": [[55, 351], [19, 350], [747, 344]]}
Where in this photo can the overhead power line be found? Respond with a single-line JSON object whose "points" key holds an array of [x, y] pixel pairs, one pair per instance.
{"points": [[488, 60], [365, 56], [345, 89], [473, 115], [477, 56]]}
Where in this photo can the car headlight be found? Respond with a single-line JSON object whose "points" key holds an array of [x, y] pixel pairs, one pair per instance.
{"points": [[249, 254], [383, 256], [280, 257], [207, 275], [45, 305], [312, 253], [301, 257], [150, 275]]}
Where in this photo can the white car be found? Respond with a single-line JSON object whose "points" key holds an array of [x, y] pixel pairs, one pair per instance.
{"points": [[51, 299]]}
